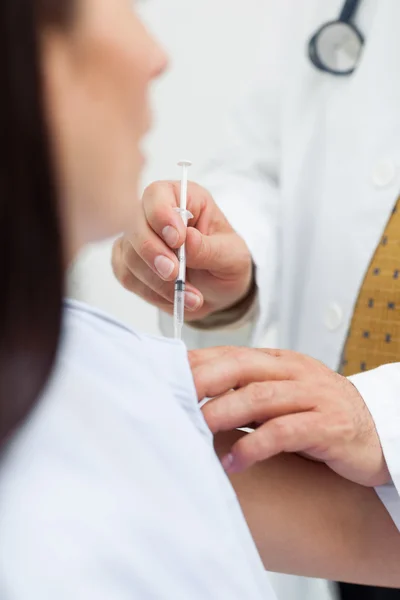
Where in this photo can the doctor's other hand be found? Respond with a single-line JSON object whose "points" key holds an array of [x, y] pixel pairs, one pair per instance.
{"points": [[219, 264], [295, 403]]}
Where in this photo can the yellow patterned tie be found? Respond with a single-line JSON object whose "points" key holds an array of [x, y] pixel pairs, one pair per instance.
{"points": [[374, 336]]}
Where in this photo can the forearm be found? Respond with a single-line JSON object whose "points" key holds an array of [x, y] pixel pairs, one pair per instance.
{"points": [[308, 521]]}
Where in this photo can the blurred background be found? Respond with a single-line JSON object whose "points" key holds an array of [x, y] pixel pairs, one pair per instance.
{"points": [[214, 47]]}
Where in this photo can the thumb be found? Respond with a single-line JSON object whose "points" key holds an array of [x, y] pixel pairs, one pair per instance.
{"points": [[223, 254]]}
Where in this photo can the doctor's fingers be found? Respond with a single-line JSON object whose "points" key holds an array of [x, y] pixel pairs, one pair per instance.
{"points": [[224, 254], [141, 280], [257, 402], [143, 244], [130, 282], [235, 369], [294, 433], [147, 294], [205, 355], [161, 199]]}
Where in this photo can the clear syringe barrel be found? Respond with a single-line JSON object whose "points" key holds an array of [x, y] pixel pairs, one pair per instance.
{"points": [[179, 309], [180, 282]]}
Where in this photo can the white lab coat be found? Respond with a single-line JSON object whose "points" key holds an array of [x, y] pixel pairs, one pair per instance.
{"points": [[308, 177]]}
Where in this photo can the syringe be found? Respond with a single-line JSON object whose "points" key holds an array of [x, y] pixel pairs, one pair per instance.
{"points": [[180, 283]]}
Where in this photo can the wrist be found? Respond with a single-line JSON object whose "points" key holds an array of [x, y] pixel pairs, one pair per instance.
{"points": [[239, 312]]}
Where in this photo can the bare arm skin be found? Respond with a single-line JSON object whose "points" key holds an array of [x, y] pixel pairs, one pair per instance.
{"points": [[306, 520]]}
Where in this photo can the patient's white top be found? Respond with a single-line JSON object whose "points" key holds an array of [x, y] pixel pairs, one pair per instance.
{"points": [[112, 490]]}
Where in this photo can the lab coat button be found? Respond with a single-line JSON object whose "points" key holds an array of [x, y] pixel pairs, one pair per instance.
{"points": [[333, 317], [384, 173]]}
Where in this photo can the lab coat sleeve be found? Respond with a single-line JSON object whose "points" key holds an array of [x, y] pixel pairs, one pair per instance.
{"points": [[380, 389], [244, 180]]}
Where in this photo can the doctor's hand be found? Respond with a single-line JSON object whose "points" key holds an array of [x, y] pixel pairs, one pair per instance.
{"points": [[295, 403], [219, 263]]}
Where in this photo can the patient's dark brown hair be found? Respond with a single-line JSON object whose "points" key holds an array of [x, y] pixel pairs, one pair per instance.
{"points": [[31, 260]]}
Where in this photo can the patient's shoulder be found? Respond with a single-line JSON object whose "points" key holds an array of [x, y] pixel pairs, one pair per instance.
{"points": [[146, 374], [95, 336], [114, 396], [112, 413], [114, 479]]}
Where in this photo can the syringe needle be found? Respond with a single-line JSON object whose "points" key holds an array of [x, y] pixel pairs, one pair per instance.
{"points": [[180, 283]]}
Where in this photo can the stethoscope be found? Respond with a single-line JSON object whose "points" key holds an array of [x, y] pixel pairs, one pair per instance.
{"points": [[336, 47]]}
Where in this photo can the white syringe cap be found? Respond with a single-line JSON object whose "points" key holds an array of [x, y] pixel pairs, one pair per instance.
{"points": [[184, 163]]}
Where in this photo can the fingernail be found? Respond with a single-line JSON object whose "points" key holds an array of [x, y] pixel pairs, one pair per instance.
{"points": [[227, 462], [192, 302], [170, 235], [164, 266]]}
